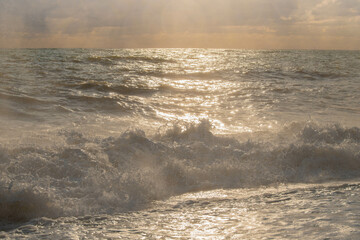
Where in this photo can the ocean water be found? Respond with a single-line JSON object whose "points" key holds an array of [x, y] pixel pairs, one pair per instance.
{"points": [[179, 143]]}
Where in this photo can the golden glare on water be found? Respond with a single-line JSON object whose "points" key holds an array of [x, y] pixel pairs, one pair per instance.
{"points": [[204, 94], [203, 220], [224, 214]]}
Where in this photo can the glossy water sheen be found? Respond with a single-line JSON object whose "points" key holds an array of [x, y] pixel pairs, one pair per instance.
{"points": [[191, 143]]}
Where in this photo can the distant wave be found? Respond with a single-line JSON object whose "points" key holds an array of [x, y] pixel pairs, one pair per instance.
{"points": [[20, 106], [21, 99], [301, 74], [115, 105], [124, 173], [106, 87], [115, 58]]}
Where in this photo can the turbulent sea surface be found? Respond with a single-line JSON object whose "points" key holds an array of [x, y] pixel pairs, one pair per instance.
{"points": [[179, 143]]}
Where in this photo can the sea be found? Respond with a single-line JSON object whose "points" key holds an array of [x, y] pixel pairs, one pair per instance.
{"points": [[179, 144]]}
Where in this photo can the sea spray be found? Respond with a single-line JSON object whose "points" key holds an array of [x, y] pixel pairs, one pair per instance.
{"points": [[116, 174]]}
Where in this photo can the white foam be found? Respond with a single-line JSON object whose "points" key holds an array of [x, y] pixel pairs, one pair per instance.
{"points": [[87, 175]]}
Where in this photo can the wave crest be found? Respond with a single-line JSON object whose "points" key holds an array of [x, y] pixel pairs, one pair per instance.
{"points": [[123, 173], [23, 205]]}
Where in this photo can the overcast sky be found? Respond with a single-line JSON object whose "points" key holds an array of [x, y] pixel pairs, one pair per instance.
{"points": [[249, 24]]}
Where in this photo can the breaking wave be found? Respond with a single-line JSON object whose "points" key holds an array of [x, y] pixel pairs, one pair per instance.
{"points": [[116, 174]]}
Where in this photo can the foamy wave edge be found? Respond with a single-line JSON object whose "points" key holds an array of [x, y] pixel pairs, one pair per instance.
{"points": [[117, 174]]}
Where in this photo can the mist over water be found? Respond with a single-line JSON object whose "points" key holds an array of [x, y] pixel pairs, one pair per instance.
{"points": [[90, 131]]}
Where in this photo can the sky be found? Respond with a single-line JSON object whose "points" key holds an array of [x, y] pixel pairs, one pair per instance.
{"points": [[244, 24]]}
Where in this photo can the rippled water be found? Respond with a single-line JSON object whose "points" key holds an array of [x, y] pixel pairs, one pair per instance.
{"points": [[193, 143]]}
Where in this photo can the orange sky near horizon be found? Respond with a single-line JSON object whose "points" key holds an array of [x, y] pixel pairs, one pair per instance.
{"points": [[245, 24]]}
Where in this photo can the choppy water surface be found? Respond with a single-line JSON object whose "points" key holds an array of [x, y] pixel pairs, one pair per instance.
{"points": [[191, 143]]}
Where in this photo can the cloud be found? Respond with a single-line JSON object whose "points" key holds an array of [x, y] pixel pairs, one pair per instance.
{"points": [[143, 23]]}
